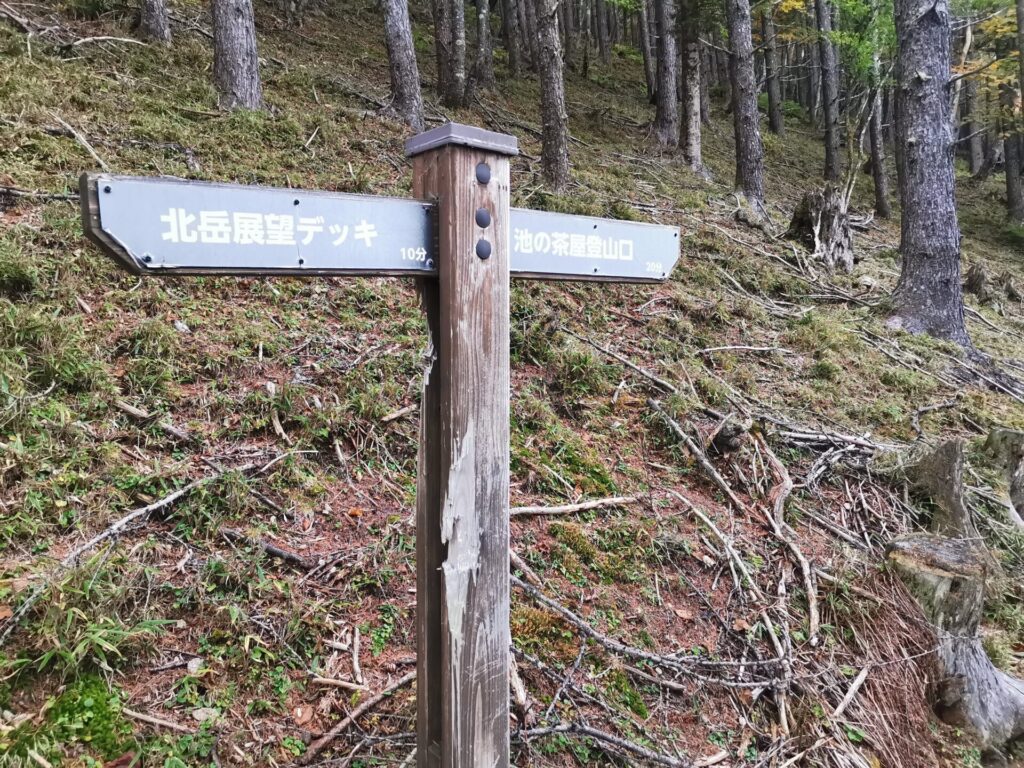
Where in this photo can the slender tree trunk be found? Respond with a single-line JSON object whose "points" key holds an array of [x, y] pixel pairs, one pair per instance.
{"points": [[531, 33], [406, 99], [1012, 164], [154, 24], [236, 64], [928, 296], [554, 116], [568, 31], [691, 86], [749, 150], [483, 64], [450, 43], [722, 66], [666, 114], [771, 67], [814, 68], [585, 26], [705, 76], [975, 132], [604, 49], [881, 180], [510, 31], [829, 88], [647, 49]]}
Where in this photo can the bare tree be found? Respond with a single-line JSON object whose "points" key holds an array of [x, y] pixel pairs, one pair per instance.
{"points": [[554, 116], [975, 129], [604, 43], [483, 65], [406, 98], [881, 180], [648, 48], [450, 44], [236, 64], [928, 296], [829, 87], [666, 114], [746, 128], [771, 72], [154, 24], [510, 28], [690, 137]]}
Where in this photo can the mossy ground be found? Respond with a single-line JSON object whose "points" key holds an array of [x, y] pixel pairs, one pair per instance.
{"points": [[327, 360]]}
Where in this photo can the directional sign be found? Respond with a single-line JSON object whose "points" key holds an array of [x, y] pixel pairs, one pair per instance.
{"points": [[168, 226]]}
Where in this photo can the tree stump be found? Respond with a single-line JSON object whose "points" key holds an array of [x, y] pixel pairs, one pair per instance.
{"points": [[947, 578], [821, 223]]}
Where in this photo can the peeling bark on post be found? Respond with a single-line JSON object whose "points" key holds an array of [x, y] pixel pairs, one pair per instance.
{"points": [[236, 64], [462, 512], [929, 296], [406, 98]]}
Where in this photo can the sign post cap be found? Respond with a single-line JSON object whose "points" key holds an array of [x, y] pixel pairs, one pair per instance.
{"points": [[464, 136]]}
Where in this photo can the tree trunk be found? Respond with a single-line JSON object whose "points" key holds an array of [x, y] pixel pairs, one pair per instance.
{"points": [[975, 132], [236, 64], [604, 46], [746, 129], [585, 26], [928, 297], [814, 71], [691, 87], [554, 117], [648, 50], [1011, 166], [666, 114], [829, 88], [771, 71], [450, 43], [706, 71], [154, 24], [878, 175], [510, 30], [722, 66], [822, 223], [406, 99], [482, 75], [530, 29]]}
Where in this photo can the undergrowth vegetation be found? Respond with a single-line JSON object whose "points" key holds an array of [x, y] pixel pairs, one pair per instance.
{"points": [[300, 397]]}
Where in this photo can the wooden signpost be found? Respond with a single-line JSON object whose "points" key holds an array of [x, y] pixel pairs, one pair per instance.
{"points": [[463, 242]]}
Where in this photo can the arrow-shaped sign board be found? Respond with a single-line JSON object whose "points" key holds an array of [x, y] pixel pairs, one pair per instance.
{"points": [[173, 227]]}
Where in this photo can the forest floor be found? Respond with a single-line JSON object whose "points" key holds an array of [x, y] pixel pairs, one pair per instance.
{"points": [[182, 641]]}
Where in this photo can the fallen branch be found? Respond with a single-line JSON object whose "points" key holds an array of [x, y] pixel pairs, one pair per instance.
{"points": [[851, 693], [567, 509], [271, 549], [624, 745], [334, 682], [661, 383], [37, 195], [318, 746], [152, 720], [734, 556], [145, 416], [82, 141], [698, 455]]}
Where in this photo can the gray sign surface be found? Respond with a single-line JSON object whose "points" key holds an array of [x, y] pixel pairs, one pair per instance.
{"points": [[187, 227]]}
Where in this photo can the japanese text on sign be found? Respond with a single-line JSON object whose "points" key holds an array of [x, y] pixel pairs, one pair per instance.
{"points": [[246, 228], [572, 245]]}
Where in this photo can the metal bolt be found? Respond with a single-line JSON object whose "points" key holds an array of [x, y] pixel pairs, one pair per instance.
{"points": [[107, 189], [483, 249], [483, 218], [430, 263], [483, 173], [147, 258], [301, 262], [295, 202]]}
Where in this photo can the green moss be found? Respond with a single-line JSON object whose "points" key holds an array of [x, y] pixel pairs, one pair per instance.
{"points": [[89, 713]]}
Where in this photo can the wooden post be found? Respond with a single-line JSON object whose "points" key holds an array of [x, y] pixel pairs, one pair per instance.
{"points": [[462, 529]]}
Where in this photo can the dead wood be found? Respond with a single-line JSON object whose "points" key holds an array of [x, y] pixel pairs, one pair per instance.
{"points": [[939, 473], [272, 550], [144, 416], [568, 509], [821, 222], [948, 578], [320, 744], [1006, 446]]}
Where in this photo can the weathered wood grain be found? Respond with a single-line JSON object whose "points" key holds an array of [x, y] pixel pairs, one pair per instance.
{"points": [[463, 522]]}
